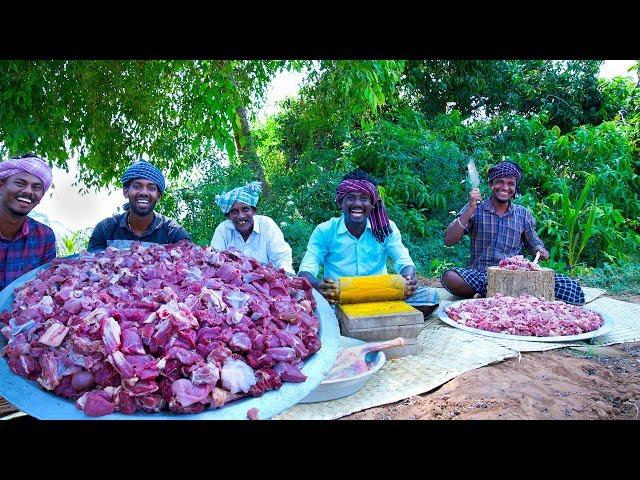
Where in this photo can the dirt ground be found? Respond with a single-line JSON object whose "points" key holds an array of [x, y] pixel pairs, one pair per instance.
{"points": [[579, 384]]}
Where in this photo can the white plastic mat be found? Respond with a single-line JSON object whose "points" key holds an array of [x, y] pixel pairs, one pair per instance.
{"points": [[446, 352], [626, 324]]}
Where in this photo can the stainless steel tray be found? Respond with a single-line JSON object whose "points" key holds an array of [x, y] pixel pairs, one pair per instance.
{"points": [[604, 329], [29, 397]]}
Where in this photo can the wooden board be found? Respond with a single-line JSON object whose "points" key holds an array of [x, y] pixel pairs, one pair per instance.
{"points": [[378, 314], [378, 321], [539, 283]]}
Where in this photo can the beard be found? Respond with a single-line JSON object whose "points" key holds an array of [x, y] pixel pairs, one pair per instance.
{"points": [[12, 211], [142, 212], [499, 200], [16, 213]]}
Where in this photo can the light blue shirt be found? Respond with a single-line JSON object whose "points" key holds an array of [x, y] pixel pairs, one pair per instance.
{"points": [[344, 255], [266, 243]]}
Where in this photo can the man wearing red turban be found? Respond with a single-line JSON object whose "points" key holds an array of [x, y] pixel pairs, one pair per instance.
{"points": [[359, 242]]}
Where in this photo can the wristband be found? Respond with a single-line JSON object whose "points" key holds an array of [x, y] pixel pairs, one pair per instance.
{"points": [[460, 223]]}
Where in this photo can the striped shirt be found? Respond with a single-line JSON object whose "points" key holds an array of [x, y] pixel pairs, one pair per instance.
{"points": [[494, 237], [34, 245]]}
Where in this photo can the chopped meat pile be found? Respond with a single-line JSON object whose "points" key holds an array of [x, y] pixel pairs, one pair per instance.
{"points": [[176, 327], [518, 263], [526, 316]]}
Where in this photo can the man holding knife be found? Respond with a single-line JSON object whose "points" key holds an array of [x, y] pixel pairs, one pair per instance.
{"points": [[498, 229]]}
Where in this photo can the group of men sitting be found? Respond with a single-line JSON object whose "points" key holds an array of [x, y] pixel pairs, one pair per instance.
{"points": [[357, 243]]}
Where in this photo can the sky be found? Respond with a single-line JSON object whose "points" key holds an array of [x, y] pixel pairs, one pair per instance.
{"points": [[67, 210]]}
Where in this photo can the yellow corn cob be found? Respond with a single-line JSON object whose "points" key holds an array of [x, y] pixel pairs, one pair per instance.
{"points": [[372, 288]]}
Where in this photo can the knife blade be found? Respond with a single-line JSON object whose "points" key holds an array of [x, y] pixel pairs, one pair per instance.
{"points": [[474, 178]]}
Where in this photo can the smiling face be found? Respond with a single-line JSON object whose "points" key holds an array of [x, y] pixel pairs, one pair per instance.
{"points": [[503, 188], [142, 195], [241, 215], [20, 193], [356, 208]]}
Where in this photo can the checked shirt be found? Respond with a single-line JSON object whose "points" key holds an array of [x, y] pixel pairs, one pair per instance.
{"points": [[33, 246], [495, 237]]}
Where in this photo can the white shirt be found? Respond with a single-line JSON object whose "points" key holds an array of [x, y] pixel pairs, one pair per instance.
{"points": [[266, 242]]}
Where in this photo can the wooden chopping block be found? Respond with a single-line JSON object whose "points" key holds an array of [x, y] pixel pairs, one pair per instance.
{"points": [[539, 283], [378, 321]]}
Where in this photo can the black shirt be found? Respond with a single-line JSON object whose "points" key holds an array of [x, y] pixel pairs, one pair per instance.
{"points": [[161, 230]]}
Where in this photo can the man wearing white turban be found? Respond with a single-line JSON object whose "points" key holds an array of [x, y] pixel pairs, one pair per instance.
{"points": [[257, 236]]}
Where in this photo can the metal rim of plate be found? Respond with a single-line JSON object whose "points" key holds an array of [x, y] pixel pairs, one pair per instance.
{"points": [[27, 395], [604, 329]]}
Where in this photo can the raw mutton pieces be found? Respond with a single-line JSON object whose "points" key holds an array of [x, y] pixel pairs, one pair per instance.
{"points": [[176, 327], [525, 315]]}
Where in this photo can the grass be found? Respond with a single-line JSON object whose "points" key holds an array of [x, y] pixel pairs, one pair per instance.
{"points": [[617, 280], [583, 352]]}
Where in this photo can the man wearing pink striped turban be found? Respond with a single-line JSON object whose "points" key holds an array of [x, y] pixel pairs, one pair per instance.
{"points": [[359, 242], [24, 242]]}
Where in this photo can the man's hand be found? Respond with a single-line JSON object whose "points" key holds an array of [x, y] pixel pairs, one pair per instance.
{"points": [[410, 285], [330, 289], [544, 255], [474, 199]]}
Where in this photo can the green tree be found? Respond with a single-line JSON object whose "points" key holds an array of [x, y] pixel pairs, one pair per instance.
{"points": [[337, 97], [109, 112], [567, 91], [178, 112]]}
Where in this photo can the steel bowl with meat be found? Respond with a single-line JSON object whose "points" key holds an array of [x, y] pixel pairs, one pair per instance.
{"points": [[166, 327], [525, 315]]}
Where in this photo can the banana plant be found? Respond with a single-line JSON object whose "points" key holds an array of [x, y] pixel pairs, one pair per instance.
{"points": [[578, 233]]}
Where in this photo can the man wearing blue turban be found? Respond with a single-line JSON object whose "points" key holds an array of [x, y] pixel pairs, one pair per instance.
{"points": [[257, 236], [498, 229], [142, 186]]}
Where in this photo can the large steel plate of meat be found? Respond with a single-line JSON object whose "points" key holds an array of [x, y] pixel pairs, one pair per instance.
{"points": [[602, 330], [29, 397]]}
